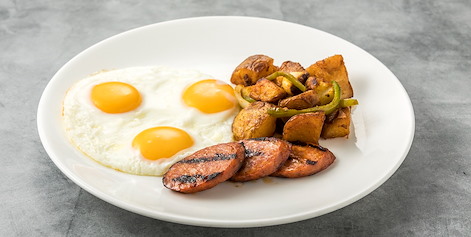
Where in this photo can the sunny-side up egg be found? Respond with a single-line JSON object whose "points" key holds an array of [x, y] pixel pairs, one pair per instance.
{"points": [[141, 120]]}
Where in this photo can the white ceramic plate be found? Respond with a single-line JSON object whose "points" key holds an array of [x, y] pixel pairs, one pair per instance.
{"points": [[383, 123]]}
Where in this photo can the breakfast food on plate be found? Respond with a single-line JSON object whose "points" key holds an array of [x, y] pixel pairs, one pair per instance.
{"points": [[189, 128], [304, 104], [141, 120], [285, 111], [205, 168]]}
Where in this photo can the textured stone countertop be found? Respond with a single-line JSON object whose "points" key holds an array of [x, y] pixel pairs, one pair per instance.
{"points": [[426, 44]]}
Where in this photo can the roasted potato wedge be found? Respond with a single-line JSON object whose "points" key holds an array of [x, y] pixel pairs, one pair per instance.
{"points": [[311, 82], [254, 121], [286, 85], [267, 91], [333, 69], [305, 128], [322, 87], [340, 126], [289, 66], [252, 69], [304, 100], [294, 69]]}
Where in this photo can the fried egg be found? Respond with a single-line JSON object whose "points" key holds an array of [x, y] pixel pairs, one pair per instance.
{"points": [[141, 120]]}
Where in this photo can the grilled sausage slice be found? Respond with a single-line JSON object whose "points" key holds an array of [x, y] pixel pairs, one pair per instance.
{"points": [[305, 160], [263, 156], [205, 168]]}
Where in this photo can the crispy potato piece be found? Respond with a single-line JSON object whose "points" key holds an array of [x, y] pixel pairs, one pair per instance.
{"points": [[294, 69], [333, 69], [340, 126], [322, 87], [305, 128], [252, 69], [266, 90], [312, 82], [288, 86], [304, 100], [289, 66], [254, 121]]}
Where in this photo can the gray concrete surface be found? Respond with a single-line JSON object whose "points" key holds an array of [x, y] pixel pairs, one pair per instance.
{"points": [[425, 43]]}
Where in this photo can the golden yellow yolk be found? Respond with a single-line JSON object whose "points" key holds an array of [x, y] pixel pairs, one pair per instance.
{"points": [[161, 142], [115, 97], [209, 96]]}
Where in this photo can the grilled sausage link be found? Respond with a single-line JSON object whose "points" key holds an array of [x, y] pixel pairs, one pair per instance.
{"points": [[205, 168], [263, 156], [305, 160]]}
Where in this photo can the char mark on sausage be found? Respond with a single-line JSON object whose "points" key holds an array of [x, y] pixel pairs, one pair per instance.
{"points": [[263, 156], [305, 160], [194, 178], [216, 157]]}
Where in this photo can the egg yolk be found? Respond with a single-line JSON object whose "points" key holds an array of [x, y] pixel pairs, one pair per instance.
{"points": [[115, 97], [209, 96], [161, 142]]}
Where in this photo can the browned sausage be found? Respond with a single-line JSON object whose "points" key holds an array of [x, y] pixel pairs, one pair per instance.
{"points": [[263, 156], [205, 168], [305, 160]]}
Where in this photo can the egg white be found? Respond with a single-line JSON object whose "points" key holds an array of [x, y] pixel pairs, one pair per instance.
{"points": [[107, 138]]}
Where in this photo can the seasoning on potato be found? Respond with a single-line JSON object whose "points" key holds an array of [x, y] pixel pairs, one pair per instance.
{"points": [[276, 99]]}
